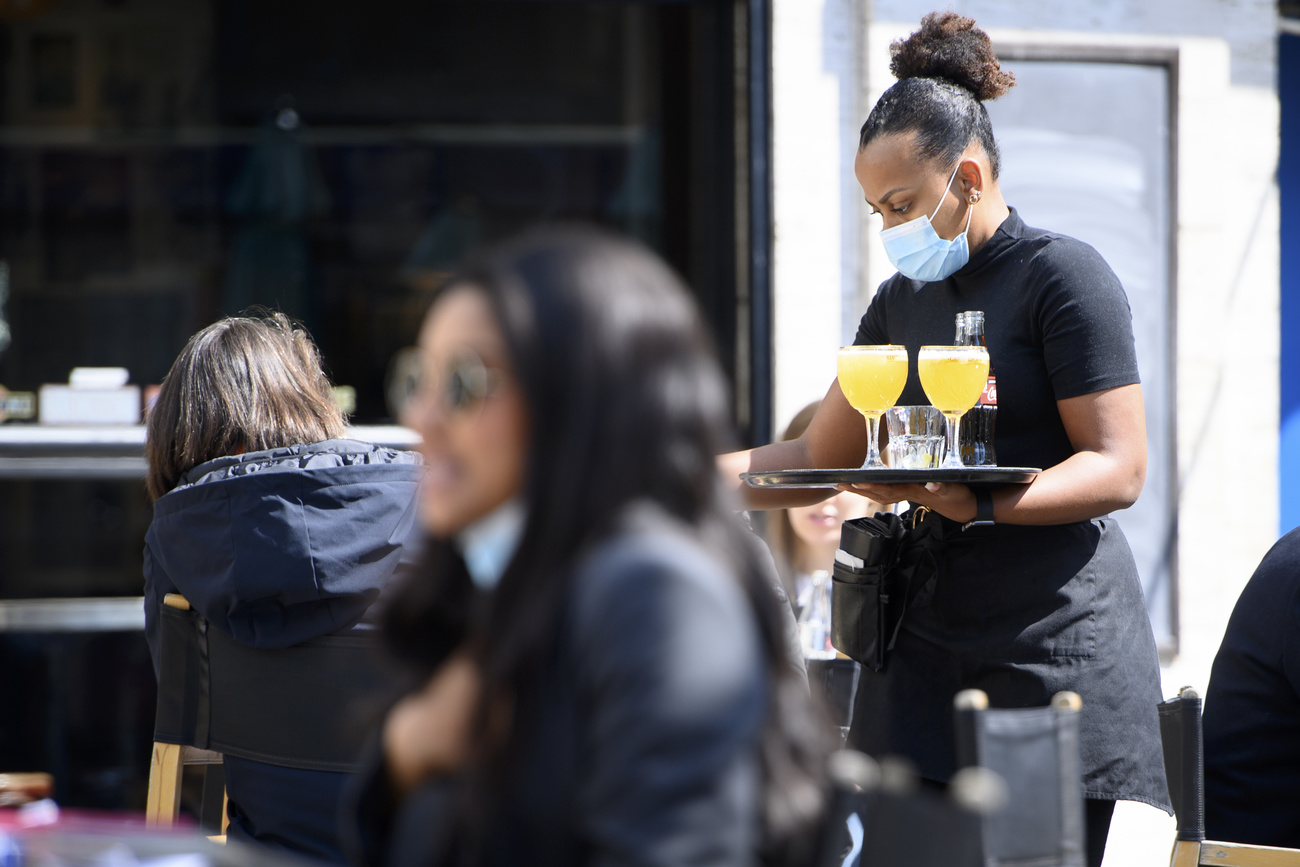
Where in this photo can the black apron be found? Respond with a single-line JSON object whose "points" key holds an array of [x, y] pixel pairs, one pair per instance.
{"points": [[1023, 613]]}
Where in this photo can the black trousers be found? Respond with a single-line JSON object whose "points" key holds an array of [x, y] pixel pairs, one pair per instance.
{"points": [[1096, 820]]}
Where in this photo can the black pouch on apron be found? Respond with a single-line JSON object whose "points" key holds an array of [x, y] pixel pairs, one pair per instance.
{"points": [[883, 563]]}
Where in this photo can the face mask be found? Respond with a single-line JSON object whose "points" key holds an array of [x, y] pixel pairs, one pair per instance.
{"points": [[489, 544], [917, 251]]}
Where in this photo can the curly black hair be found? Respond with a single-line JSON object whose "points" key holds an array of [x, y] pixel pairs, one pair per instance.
{"points": [[945, 71]]}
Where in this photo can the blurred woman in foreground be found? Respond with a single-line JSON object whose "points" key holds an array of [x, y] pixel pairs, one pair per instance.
{"points": [[601, 676]]}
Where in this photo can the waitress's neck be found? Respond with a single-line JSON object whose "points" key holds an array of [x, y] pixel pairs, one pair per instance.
{"points": [[989, 212]]}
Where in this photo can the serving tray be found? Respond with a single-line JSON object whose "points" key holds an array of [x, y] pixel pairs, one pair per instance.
{"points": [[888, 476]]}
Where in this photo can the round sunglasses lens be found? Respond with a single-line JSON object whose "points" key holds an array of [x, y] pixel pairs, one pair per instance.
{"points": [[467, 384], [459, 395]]}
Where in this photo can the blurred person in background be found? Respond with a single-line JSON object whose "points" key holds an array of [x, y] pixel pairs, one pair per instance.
{"points": [[274, 527], [803, 539], [1252, 710], [600, 675]]}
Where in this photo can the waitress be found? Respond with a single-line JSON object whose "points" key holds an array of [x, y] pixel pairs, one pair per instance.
{"points": [[1047, 597]]}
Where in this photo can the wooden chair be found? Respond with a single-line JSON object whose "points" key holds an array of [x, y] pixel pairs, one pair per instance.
{"points": [[166, 771], [167, 768], [1036, 752], [299, 707], [1184, 753]]}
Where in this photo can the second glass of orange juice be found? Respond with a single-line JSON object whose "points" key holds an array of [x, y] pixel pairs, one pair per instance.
{"points": [[953, 378], [872, 378]]}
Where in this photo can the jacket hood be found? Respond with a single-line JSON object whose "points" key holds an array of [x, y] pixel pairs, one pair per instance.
{"points": [[280, 546]]}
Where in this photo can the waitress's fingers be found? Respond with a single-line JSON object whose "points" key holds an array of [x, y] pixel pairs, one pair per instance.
{"points": [[884, 494], [948, 499]]}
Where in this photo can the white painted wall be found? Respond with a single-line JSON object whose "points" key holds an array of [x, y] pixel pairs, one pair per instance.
{"points": [[1247, 26], [816, 96]]}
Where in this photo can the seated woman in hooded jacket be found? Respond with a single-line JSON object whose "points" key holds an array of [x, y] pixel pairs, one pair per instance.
{"points": [[273, 526]]}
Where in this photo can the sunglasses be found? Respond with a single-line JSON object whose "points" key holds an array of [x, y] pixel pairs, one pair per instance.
{"points": [[463, 385]]}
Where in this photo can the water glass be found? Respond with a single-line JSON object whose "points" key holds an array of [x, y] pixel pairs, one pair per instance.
{"points": [[916, 437]]}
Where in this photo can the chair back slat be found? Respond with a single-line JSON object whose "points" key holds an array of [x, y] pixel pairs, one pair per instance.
{"points": [[920, 829], [887, 819], [181, 716], [1037, 753], [308, 707], [1184, 754]]}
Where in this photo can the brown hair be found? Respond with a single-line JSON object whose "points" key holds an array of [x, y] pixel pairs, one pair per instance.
{"points": [[779, 533], [245, 383], [951, 47]]}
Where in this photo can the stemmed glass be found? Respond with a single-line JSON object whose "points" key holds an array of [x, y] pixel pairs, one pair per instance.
{"points": [[953, 378], [872, 378]]}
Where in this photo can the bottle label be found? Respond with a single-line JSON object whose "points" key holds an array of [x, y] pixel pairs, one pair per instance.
{"points": [[989, 397]]}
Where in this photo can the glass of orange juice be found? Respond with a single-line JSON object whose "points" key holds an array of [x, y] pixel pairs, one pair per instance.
{"points": [[953, 378], [872, 378]]}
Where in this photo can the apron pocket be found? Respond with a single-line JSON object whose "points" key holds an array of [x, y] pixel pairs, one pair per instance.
{"points": [[858, 615]]}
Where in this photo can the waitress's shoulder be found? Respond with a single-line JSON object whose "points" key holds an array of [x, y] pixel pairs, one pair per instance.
{"points": [[1057, 255]]}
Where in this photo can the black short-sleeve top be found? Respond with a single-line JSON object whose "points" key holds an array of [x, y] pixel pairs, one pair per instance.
{"points": [[1056, 320]]}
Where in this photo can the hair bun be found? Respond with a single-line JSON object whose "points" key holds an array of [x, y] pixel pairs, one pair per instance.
{"points": [[951, 47]]}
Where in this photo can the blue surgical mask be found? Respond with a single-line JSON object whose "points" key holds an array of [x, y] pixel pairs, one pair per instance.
{"points": [[917, 251], [489, 544]]}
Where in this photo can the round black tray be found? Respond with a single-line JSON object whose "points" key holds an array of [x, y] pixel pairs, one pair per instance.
{"points": [[888, 476]]}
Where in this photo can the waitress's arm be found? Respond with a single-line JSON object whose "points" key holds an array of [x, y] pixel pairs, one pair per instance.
{"points": [[1105, 473], [836, 437]]}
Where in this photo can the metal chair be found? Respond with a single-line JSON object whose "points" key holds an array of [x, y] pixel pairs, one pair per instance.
{"points": [[1036, 751], [1184, 753], [299, 707]]}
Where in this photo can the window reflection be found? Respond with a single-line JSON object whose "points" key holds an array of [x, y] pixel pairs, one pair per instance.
{"points": [[163, 162]]}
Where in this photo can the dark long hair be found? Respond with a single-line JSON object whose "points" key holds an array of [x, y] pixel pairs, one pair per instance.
{"points": [[945, 71], [244, 383], [626, 404]]}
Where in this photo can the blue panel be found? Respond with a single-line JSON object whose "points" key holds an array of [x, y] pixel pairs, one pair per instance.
{"points": [[1288, 179]]}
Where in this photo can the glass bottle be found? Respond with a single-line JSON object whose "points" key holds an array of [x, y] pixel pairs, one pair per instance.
{"points": [[815, 619], [979, 425]]}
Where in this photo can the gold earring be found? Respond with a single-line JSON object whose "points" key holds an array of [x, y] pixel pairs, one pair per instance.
{"points": [[974, 197]]}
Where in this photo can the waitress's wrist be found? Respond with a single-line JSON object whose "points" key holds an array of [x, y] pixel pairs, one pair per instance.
{"points": [[983, 513]]}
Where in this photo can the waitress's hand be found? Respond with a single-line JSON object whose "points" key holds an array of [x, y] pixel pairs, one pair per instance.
{"points": [[951, 500], [428, 732]]}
